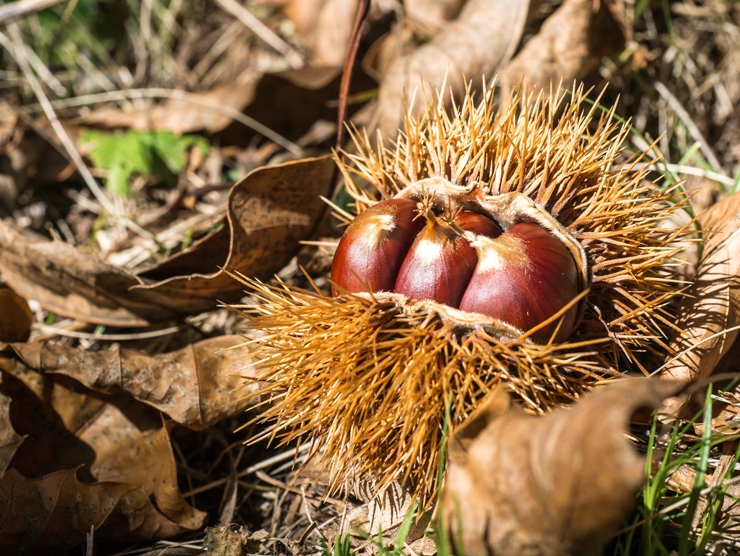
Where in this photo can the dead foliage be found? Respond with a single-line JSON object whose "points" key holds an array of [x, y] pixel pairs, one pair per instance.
{"points": [[115, 391], [482, 41], [570, 44], [268, 213], [193, 386], [551, 485], [16, 317], [83, 445], [710, 312]]}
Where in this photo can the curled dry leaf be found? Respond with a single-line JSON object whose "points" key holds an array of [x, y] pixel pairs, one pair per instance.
{"points": [[269, 212], [68, 282], [550, 485], [712, 304], [483, 38], [15, 317], [570, 44], [194, 385], [87, 460]]}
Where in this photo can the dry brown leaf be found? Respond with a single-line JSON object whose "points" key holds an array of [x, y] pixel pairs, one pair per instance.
{"points": [[194, 385], [214, 110], [332, 31], [549, 485], [54, 513], [432, 14], [15, 317], [9, 439], [199, 111], [570, 44], [269, 212], [68, 282], [483, 38], [118, 447], [712, 304]]}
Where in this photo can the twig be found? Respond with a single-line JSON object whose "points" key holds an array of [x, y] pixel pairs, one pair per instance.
{"points": [[18, 9], [259, 29], [132, 94], [15, 47], [43, 71], [690, 125], [282, 485], [349, 62], [108, 337], [249, 470]]}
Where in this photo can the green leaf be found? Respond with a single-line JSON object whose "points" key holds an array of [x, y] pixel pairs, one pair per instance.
{"points": [[124, 153], [172, 149]]}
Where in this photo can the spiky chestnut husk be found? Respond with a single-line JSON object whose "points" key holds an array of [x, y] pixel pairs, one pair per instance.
{"points": [[367, 375]]}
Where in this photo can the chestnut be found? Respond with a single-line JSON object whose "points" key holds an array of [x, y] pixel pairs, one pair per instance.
{"points": [[438, 265], [523, 278], [477, 223], [373, 247]]}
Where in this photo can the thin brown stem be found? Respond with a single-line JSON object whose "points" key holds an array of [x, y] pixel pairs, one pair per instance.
{"points": [[349, 62]]}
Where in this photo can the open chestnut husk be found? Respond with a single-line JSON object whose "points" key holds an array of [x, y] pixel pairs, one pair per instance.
{"points": [[521, 252]]}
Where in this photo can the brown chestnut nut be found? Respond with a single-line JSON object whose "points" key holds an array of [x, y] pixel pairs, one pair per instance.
{"points": [[523, 278], [438, 265], [477, 223], [374, 245]]}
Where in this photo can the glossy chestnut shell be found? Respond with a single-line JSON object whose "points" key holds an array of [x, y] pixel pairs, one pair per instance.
{"points": [[520, 277]]}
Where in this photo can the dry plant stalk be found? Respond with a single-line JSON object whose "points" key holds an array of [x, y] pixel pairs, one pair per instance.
{"points": [[366, 375]]}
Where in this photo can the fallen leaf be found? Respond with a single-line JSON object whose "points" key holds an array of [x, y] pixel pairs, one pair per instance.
{"points": [[548, 485], [194, 385], [9, 439], [15, 318], [570, 44], [87, 460], [712, 304], [209, 111], [475, 45], [269, 211], [432, 14], [332, 31], [71, 283], [124, 454]]}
